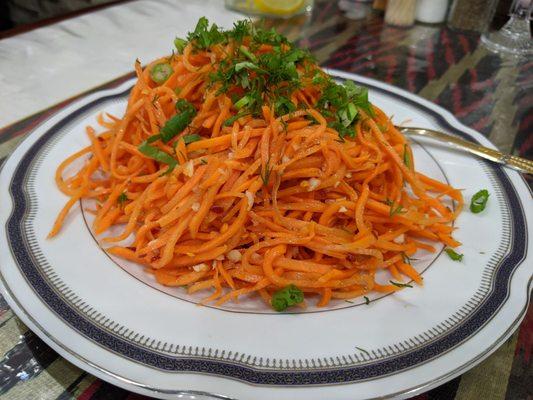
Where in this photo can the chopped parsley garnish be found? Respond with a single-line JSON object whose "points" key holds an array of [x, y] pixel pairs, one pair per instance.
{"points": [[394, 209], [406, 259], [121, 199], [283, 106], [362, 350], [479, 201], [398, 284], [203, 36], [341, 104], [253, 79], [180, 44], [367, 300], [250, 56], [268, 78], [286, 297], [240, 30], [453, 254], [265, 174]]}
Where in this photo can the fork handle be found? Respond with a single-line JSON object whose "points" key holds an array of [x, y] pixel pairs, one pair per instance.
{"points": [[517, 163]]}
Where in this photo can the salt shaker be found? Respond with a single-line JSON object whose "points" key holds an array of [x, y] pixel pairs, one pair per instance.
{"points": [[431, 11]]}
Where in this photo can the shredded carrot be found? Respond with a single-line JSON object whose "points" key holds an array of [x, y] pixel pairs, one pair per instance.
{"points": [[259, 201]]}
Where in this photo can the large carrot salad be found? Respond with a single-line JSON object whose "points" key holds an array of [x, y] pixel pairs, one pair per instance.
{"points": [[241, 168]]}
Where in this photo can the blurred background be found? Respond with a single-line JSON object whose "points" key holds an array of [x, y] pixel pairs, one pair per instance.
{"points": [[18, 14]]}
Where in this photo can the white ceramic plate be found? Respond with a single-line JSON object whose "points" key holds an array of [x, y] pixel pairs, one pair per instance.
{"points": [[111, 319]]}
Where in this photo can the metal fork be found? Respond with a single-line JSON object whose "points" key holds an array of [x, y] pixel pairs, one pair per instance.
{"points": [[517, 163]]}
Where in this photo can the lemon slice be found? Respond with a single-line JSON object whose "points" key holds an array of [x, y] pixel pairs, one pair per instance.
{"points": [[279, 7]]}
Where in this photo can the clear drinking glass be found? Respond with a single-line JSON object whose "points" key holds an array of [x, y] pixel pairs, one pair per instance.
{"points": [[515, 36]]}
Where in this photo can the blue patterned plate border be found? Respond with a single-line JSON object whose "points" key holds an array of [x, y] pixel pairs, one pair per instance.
{"points": [[233, 368]]}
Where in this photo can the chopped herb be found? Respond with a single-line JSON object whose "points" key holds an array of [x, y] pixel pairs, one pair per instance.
{"points": [[161, 72], [231, 120], [242, 102], [407, 259], [121, 199], [393, 208], [262, 36], [255, 78], [342, 130], [359, 95], [240, 30], [319, 78], [245, 64], [183, 105], [347, 114], [202, 37], [479, 201], [283, 106], [453, 254], [158, 155], [275, 73], [178, 122], [341, 104], [191, 138], [153, 139], [406, 156], [265, 174], [295, 55], [244, 81], [180, 44], [250, 56], [286, 297], [398, 284], [203, 161], [367, 300], [313, 120]]}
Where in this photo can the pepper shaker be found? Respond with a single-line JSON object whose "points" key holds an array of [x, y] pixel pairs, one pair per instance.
{"points": [[471, 15]]}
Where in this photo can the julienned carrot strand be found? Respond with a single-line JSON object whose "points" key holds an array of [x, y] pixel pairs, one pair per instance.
{"points": [[63, 213], [409, 271], [326, 297], [97, 149], [258, 198]]}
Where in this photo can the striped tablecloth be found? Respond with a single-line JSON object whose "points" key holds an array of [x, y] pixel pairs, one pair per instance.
{"points": [[42, 68]]}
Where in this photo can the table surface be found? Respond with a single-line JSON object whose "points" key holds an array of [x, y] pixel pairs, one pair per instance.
{"points": [[485, 91]]}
